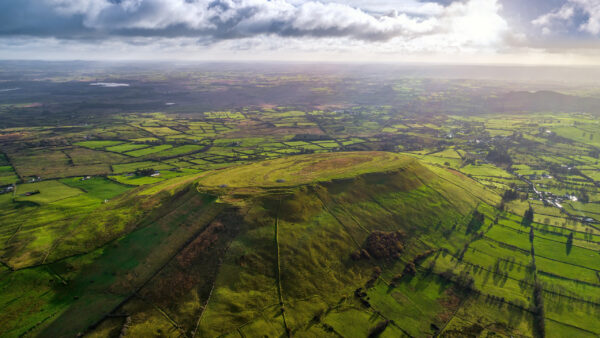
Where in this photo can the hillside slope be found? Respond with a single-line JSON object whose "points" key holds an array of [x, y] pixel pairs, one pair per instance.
{"points": [[342, 244]]}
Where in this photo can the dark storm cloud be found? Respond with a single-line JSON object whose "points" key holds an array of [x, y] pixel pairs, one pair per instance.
{"points": [[37, 18]]}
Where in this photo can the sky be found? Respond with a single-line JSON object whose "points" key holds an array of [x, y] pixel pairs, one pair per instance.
{"points": [[532, 32]]}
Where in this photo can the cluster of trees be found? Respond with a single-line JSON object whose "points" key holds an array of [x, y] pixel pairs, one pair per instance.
{"points": [[463, 280], [510, 195], [558, 170], [421, 257], [360, 254], [538, 310], [528, 217], [374, 276], [410, 269], [144, 172], [396, 279], [381, 244], [569, 243], [499, 155], [583, 196], [378, 329], [362, 297], [476, 222], [531, 234]]}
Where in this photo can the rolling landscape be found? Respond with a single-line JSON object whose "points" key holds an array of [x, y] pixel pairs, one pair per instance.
{"points": [[316, 219], [299, 168]]}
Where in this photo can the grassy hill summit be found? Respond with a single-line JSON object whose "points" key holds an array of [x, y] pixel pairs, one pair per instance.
{"points": [[305, 169], [348, 244]]}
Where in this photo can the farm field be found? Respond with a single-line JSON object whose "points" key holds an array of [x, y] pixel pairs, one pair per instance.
{"points": [[285, 203]]}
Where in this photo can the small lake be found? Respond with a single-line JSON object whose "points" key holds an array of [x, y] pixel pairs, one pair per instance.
{"points": [[109, 84]]}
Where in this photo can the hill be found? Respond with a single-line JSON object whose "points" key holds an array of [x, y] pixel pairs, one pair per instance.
{"points": [[346, 244], [543, 101]]}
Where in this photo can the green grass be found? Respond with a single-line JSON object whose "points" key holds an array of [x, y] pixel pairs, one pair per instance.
{"points": [[148, 151], [7, 175], [496, 318], [510, 236], [143, 180], [484, 170], [357, 323], [570, 288], [492, 255], [50, 191], [558, 329], [325, 205], [97, 144], [447, 153], [179, 150], [131, 167], [122, 148], [566, 269], [577, 134], [415, 303], [574, 313], [31, 230], [3, 160], [98, 187], [487, 282], [307, 168], [559, 251], [125, 266], [335, 218], [161, 131]]}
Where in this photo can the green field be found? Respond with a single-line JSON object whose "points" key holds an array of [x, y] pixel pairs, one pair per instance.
{"points": [[98, 187], [179, 150], [122, 148], [97, 144], [148, 151], [200, 202], [49, 191], [131, 167], [7, 175]]}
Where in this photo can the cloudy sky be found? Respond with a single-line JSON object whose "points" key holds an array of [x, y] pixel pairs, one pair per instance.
{"points": [[444, 31]]}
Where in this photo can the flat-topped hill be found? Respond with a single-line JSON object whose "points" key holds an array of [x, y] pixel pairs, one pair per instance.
{"points": [[303, 169], [344, 240]]}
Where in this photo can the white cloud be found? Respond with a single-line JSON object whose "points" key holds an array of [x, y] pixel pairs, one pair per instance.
{"points": [[474, 22], [592, 9], [412, 7], [267, 29], [566, 13], [243, 17]]}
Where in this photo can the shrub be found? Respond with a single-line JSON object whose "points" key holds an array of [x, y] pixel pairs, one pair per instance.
{"points": [[378, 329], [476, 222], [382, 244], [410, 269]]}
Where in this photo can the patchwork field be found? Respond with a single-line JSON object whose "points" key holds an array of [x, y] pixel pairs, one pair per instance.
{"points": [[221, 204]]}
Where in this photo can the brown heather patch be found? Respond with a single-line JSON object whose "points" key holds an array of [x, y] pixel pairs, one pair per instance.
{"points": [[450, 303], [200, 245], [13, 136], [382, 244], [457, 173]]}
